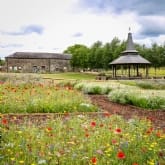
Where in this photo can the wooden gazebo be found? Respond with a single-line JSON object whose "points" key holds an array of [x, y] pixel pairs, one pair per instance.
{"points": [[130, 59]]}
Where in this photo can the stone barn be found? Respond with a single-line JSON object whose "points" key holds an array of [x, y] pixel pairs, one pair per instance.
{"points": [[30, 62]]}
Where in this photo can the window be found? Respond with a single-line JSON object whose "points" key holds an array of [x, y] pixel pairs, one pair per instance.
{"points": [[43, 67], [10, 68], [35, 69], [15, 68]]}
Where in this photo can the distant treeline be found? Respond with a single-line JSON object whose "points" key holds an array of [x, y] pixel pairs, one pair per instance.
{"points": [[99, 55]]}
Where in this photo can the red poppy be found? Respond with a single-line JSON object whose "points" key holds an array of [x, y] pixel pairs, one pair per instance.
{"points": [[135, 164], [49, 128], [118, 130], [4, 121], [107, 114], [114, 141], [149, 130], [93, 124], [94, 160], [121, 155], [158, 134]]}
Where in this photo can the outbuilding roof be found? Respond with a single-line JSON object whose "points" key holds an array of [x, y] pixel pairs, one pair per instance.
{"points": [[39, 55]]}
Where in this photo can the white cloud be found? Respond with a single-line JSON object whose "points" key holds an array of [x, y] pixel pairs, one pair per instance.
{"points": [[61, 20]]}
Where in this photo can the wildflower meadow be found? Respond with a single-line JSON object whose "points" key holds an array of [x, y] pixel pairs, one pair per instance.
{"points": [[104, 139], [72, 131]]}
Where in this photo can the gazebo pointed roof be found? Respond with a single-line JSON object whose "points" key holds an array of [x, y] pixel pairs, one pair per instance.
{"points": [[130, 55], [130, 48], [130, 45]]}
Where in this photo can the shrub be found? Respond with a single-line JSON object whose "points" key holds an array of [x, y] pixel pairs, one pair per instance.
{"points": [[134, 98], [93, 88]]}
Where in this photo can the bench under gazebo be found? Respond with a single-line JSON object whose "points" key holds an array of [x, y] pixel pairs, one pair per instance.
{"points": [[130, 59]]}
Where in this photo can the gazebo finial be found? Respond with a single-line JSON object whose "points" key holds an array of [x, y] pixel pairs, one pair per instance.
{"points": [[129, 29]]}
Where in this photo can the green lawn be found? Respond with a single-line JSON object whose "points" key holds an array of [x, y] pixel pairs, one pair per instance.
{"points": [[70, 75]]}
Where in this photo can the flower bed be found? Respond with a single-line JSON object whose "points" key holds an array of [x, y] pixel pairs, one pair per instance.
{"points": [[127, 93], [149, 99], [37, 98], [80, 139]]}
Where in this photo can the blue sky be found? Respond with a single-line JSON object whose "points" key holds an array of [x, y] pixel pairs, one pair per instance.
{"points": [[52, 26]]}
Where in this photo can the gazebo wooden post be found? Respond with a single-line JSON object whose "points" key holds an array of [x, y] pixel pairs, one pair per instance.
{"points": [[137, 70], [146, 71], [115, 70], [121, 66], [134, 70], [129, 71], [112, 71]]}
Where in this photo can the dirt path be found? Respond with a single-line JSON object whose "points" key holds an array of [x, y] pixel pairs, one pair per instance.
{"points": [[157, 117], [127, 111]]}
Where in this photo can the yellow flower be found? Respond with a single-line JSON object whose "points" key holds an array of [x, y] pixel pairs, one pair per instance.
{"points": [[21, 162], [14, 117], [20, 132], [1, 115], [154, 144], [108, 150], [12, 159], [71, 142], [151, 162], [108, 145]]}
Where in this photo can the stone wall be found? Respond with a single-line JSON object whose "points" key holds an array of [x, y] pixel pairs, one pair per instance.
{"points": [[59, 65], [37, 65]]}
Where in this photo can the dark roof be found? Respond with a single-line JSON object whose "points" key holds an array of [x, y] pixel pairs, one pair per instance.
{"points": [[130, 45], [130, 55], [38, 55], [130, 59]]}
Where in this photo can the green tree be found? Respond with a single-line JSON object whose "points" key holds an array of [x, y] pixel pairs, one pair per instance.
{"points": [[79, 56], [107, 55], [95, 55], [2, 62]]}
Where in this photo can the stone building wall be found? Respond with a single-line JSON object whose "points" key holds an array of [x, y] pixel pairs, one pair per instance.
{"points": [[59, 65], [37, 65]]}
